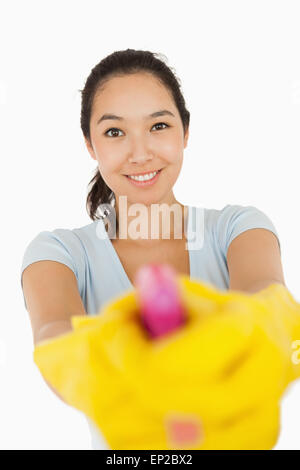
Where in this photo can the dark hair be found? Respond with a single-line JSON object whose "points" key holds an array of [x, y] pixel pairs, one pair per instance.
{"points": [[122, 63]]}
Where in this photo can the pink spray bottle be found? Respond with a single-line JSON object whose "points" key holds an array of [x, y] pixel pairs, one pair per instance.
{"points": [[161, 307]]}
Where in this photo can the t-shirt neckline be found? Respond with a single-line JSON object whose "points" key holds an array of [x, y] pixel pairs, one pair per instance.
{"points": [[119, 266]]}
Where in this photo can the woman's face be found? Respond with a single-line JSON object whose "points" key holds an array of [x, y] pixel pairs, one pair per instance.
{"points": [[137, 143]]}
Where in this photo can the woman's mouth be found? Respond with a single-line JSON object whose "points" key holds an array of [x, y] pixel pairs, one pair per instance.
{"points": [[145, 180]]}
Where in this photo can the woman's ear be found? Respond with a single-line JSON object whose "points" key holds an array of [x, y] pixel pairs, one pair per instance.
{"points": [[186, 138], [90, 148]]}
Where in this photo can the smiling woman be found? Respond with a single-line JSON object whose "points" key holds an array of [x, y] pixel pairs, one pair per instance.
{"points": [[135, 90], [136, 126]]}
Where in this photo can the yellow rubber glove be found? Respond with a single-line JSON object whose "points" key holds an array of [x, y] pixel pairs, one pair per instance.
{"points": [[216, 383]]}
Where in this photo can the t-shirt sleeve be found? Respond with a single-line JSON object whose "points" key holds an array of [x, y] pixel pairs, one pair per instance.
{"points": [[60, 245], [235, 219]]}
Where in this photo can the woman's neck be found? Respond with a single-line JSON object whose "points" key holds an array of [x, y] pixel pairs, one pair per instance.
{"points": [[148, 225]]}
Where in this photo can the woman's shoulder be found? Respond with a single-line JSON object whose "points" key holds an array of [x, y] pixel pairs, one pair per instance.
{"points": [[60, 244]]}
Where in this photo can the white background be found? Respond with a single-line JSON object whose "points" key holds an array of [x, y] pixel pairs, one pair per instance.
{"points": [[238, 62]]}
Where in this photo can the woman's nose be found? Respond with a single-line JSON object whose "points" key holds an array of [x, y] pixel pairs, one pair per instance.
{"points": [[139, 153], [139, 158]]}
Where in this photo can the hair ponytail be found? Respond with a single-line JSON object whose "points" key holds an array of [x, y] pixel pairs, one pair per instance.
{"points": [[98, 194]]}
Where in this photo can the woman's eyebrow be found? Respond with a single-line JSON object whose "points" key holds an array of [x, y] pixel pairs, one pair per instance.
{"points": [[163, 112]]}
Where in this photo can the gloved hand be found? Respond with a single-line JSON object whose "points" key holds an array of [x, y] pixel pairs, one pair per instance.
{"points": [[216, 383]]}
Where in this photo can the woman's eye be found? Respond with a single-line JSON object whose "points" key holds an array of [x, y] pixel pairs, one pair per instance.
{"points": [[159, 123], [115, 129]]}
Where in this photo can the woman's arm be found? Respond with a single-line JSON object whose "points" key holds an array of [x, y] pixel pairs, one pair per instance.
{"points": [[52, 298]]}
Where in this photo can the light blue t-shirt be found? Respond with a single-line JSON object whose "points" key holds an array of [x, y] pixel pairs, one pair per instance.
{"points": [[100, 275], [89, 252]]}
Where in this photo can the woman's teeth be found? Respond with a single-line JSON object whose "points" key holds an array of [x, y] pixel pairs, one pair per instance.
{"points": [[147, 177]]}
